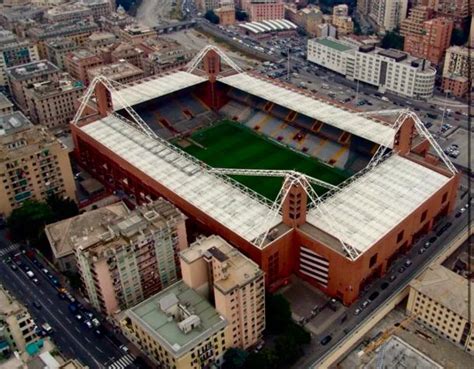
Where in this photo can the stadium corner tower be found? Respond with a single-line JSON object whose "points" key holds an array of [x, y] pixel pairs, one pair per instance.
{"points": [[337, 237]]}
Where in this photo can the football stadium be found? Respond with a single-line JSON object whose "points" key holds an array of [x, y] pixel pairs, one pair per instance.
{"points": [[301, 185]]}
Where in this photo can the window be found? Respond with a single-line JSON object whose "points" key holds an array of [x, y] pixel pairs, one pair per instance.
{"points": [[400, 236], [373, 260]]}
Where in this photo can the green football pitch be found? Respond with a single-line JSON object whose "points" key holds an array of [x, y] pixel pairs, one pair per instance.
{"points": [[232, 145]]}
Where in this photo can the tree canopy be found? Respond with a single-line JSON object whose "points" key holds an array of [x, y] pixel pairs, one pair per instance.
{"points": [[212, 17], [392, 40]]}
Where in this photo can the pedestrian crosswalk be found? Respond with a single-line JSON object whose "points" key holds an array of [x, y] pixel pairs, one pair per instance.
{"points": [[122, 362], [8, 249]]}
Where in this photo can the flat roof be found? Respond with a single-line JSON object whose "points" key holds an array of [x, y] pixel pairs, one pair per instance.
{"points": [[447, 288], [149, 316], [333, 115], [28, 71], [4, 102], [234, 206], [333, 44], [152, 88], [13, 122], [369, 207]]}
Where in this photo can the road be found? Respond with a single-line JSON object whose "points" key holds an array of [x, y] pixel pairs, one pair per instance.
{"points": [[71, 336], [339, 329]]}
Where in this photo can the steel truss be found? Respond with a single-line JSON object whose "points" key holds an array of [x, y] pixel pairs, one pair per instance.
{"points": [[194, 62]]}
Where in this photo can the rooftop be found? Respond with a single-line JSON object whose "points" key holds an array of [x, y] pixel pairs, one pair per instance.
{"points": [[369, 207], [50, 88], [240, 269], [333, 44], [237, 208], [162, 315], [269, 26], [81, 54], [4, 102], [116, 71], [368, 128], [30, 70], [447, 288], [13, 122]]}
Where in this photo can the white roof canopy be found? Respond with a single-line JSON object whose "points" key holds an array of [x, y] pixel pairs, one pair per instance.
{"points": [[145, 90], [372, 205], [239, 209], [323, 111]]}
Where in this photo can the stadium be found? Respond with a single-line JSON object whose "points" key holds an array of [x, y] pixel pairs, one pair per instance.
{"points": [[301, 185]]}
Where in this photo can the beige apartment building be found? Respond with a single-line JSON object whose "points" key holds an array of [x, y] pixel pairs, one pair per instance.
{"points": [[22, 76], [233, 282], [54, 103], [99, 8], [310, 18], [123, 256], [58, 48], [6, 106], [456, 70], [17, 328], [136, 33], [78, 62], [120, 71], [413, 24], [438, 298], [69, 12], [34, 164]]}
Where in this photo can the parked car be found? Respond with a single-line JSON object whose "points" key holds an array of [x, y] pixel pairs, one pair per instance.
{"points": [[326, 340]]}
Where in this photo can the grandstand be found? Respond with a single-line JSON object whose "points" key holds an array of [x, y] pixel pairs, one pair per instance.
{"points": [[219, 143]]}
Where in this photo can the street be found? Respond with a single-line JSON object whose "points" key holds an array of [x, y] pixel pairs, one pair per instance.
{"points": [[72, 337]]}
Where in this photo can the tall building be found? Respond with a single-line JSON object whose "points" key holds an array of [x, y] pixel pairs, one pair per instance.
{"points": [[57, 49], [17, 328], [389, 70], [79, 61], [456, 70], [120, 71], [388, 14], [53, 103], [432, 41], [34, 163], [363, 6], [226, 12], [205, 5], [413, 24], [14, 52], [70, 12], [22, 76], [259, 10], [439, 299], [233, 282], [458, 10], [177, 329], [123, 256]]}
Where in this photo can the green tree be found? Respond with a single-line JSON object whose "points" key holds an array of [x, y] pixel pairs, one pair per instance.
{"points": [[392, 40], [301, 335], [278, 313], [265, 359], [287, 349], [241, 16], [235, 358], [212, 17], [27, 222], [62, 208]]}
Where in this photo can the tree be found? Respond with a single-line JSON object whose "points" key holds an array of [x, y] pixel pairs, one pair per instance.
{"points": [[265, 359], [241, 16], [235, 358], [27, 222], [287, 349], [212, 17], [278, 313], [301, 335], [62, 208], [392, 40]]}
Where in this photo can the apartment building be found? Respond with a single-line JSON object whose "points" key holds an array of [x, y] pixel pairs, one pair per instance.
{"points": [[160, 55], [205, 5], [124, 51], [100, 40], [120, 71], [344, 25], [53, 103], [308, 18], [177, 329], [458, 10], [136, 33], [116, 21], [17, 328], [34, 163], [433, 40], [70, 12], [388, 14], [456, 70], [78, 62], [258, 10], [6, 106], [57, 49], [14, 52], [389, 70], [233, 282], [438, 298], [226, 12], [99, 8], [413, 24], [123, 256], [22, 76]]}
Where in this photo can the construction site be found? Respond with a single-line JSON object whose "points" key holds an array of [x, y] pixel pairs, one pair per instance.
{"points": [[300, 184]]}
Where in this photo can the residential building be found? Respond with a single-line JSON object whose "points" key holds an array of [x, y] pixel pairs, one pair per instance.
{"points": [[136, 33], [344, 25], [205, 5], [431, 43], [309, 18], [326, 30], [458, 10], [34, 163], [116, 21], [226, 12], [99, 8], [413, 24], [6, 106], [99, 40], [78, 62], [177, 329], [125, 51], [363, 7], [17, 328], [456, 70], [121, 71], [162, 54], [14, 52], [235, 284], [389, 70], [53, 103], [58, 48], [388, 14], [22, 76], [341, 10], [123, 256], [258, 10], [439, 299], [69, 12]]}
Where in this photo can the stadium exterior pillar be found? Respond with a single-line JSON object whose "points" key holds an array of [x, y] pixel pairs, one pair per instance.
{"points": [[404, 137], [212, 66], [294, 204], [104, 99]]}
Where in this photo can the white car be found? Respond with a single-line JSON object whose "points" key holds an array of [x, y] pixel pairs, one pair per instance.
{"points": [[30, 274]]}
